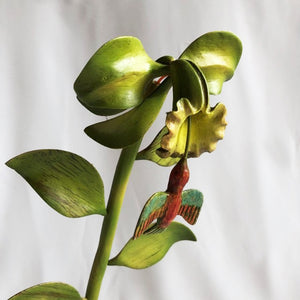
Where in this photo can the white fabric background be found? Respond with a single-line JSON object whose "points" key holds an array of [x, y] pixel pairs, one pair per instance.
{"points": [[249, 228]]}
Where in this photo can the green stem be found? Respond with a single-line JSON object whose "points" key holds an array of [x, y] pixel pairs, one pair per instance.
{"points": [[188, 136], [110, 221]]}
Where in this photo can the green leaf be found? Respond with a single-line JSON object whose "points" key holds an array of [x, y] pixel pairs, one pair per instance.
{"points": [[117, 76], [48, 291], [217, 55], [148, 249], [129, 127], [64, 180]]}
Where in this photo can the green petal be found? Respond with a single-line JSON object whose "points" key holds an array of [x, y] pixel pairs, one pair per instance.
{"points": [[217, 55], [188, 82], [207, 128], [64, 180], [151, 152], [128, 128], [165, 60], [117, 76], [101, 111], [190, 94], [149, 249], [48, 291]]}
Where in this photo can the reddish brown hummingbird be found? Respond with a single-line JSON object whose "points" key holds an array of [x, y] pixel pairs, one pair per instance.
{"points": [[165, 206]]}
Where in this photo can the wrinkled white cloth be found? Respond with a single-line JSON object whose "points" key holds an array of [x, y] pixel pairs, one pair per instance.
{"points": [[249, 228]]}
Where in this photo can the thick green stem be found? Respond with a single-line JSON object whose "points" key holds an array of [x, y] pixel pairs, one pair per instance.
{"points": [[110, 221]]}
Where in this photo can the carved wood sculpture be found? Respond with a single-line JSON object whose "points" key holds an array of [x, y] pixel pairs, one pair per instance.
{"points": [[121, 78], [165, 206]]}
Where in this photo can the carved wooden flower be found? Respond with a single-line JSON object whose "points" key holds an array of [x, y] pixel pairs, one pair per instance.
{"points": [[201, 70], [207, 124], [207, 128], [120, 75]]}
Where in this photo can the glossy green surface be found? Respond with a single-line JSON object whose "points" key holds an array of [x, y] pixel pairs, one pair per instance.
{"points": [[48, 291], [117, 76], [207, 124], [217, 55], [188, 83], [64, 180], [151, 152], [110, 221], [207, 128], [190, 95], [131, 126], [149, 249]]}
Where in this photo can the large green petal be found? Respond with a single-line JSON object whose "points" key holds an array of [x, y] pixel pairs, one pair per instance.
{"points": [[126, 129], [48, 291], [217, 55], [117, 76], [149, 249], [64, 180]]}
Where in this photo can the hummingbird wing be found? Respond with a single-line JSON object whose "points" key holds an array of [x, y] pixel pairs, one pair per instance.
{"points": [[153, 209], [190, 205]]}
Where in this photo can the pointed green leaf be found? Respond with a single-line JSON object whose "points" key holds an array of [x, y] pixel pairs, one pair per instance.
{"points": [[64, 180], [148, 249], [116, 76], [126, 129], [217, 55], [48, 291]]}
